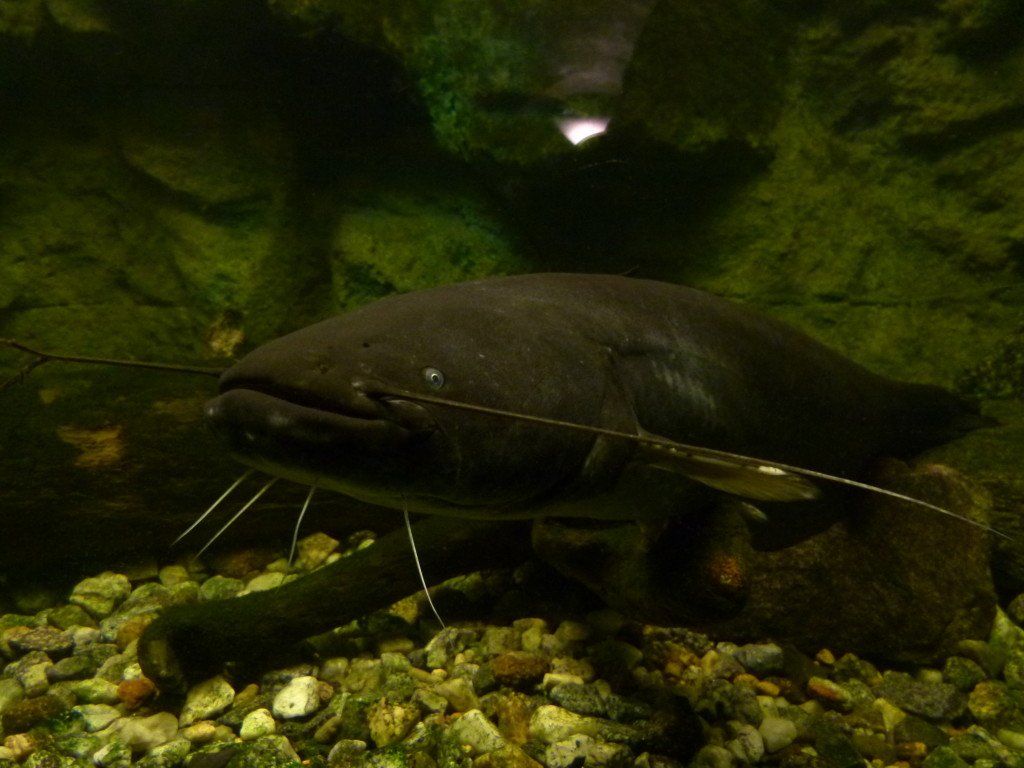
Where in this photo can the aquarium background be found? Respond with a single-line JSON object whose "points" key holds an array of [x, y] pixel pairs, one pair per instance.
{"points": [[182, 181]]}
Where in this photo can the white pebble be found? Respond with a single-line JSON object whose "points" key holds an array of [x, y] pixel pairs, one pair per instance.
{"points": [[300, 697]]}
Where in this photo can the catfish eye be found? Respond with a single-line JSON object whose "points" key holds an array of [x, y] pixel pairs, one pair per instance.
{"points": [[433, 377]]}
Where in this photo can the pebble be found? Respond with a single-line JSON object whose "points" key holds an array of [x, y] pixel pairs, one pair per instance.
{"points": [[206, 700], [95, 691], [747, 743], [259, 722], [313, 550], [219, 588], [585, 750], [760, 658], [142, 734], [116, 754], [99, 595], [96, 717], [936, 701], [391, 722], [300, 697], [473, 729], [777, 733], [49, 640], [492, 689]]}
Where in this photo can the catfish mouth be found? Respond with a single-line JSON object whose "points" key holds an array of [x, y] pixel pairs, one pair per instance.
{"points": [[264, 419]]}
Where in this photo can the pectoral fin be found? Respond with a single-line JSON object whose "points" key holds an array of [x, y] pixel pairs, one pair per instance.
{"points": [[731, 473]]}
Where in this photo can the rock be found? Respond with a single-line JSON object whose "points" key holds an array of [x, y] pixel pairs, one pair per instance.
{"points": [[550, 724], [713, 756], [777, 733], [135, 691], [944, 757], [996, 705], [585, 750], [116, 754], [71, 668], [747, 743], [962, 673], [11, 691], [96, 717], [579, 698], [760, 658], [299, 698], [68, 616], [475, 730], [519, 669], [95, 691], [259, 722], [22, 714], [937, 701], [144, 733], [207, 699], [314, 550], [166, 755], [389, 723], [100, 595], [49, 640], [459, 692], [219, 588], [508, 756]]}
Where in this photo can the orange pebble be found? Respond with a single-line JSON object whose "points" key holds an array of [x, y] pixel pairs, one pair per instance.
{"points": [[134, 692]]}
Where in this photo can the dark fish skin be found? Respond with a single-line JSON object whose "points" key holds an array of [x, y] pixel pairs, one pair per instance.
{"points": [[319, 405], [637, 356]]}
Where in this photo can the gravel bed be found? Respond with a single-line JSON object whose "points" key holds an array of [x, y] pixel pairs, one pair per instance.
{"points": [[590, 690]]}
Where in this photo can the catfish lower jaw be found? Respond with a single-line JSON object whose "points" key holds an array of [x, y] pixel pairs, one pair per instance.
{"points": [[268, 431]]}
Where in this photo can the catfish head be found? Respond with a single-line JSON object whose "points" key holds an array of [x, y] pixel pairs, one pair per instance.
{"points": [[324, 406]]}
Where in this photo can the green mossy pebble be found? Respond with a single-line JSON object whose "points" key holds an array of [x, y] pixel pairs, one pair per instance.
{"points": [[71, 668], [995, 704], [166, 755], [836, 749], [207, 699], [220, 588], [10, 692], [579, 698], [915, 729], [944, 757], [116, 754], [100, 595], [95, 691], [932, 700], [78, 744], [962, 673], [976, 744], [713, 756], [47, 758], [22, 715], [67, 616], [259, 722]]}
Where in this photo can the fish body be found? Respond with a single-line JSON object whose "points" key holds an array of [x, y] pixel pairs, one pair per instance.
{"points": [[334, 404]]}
